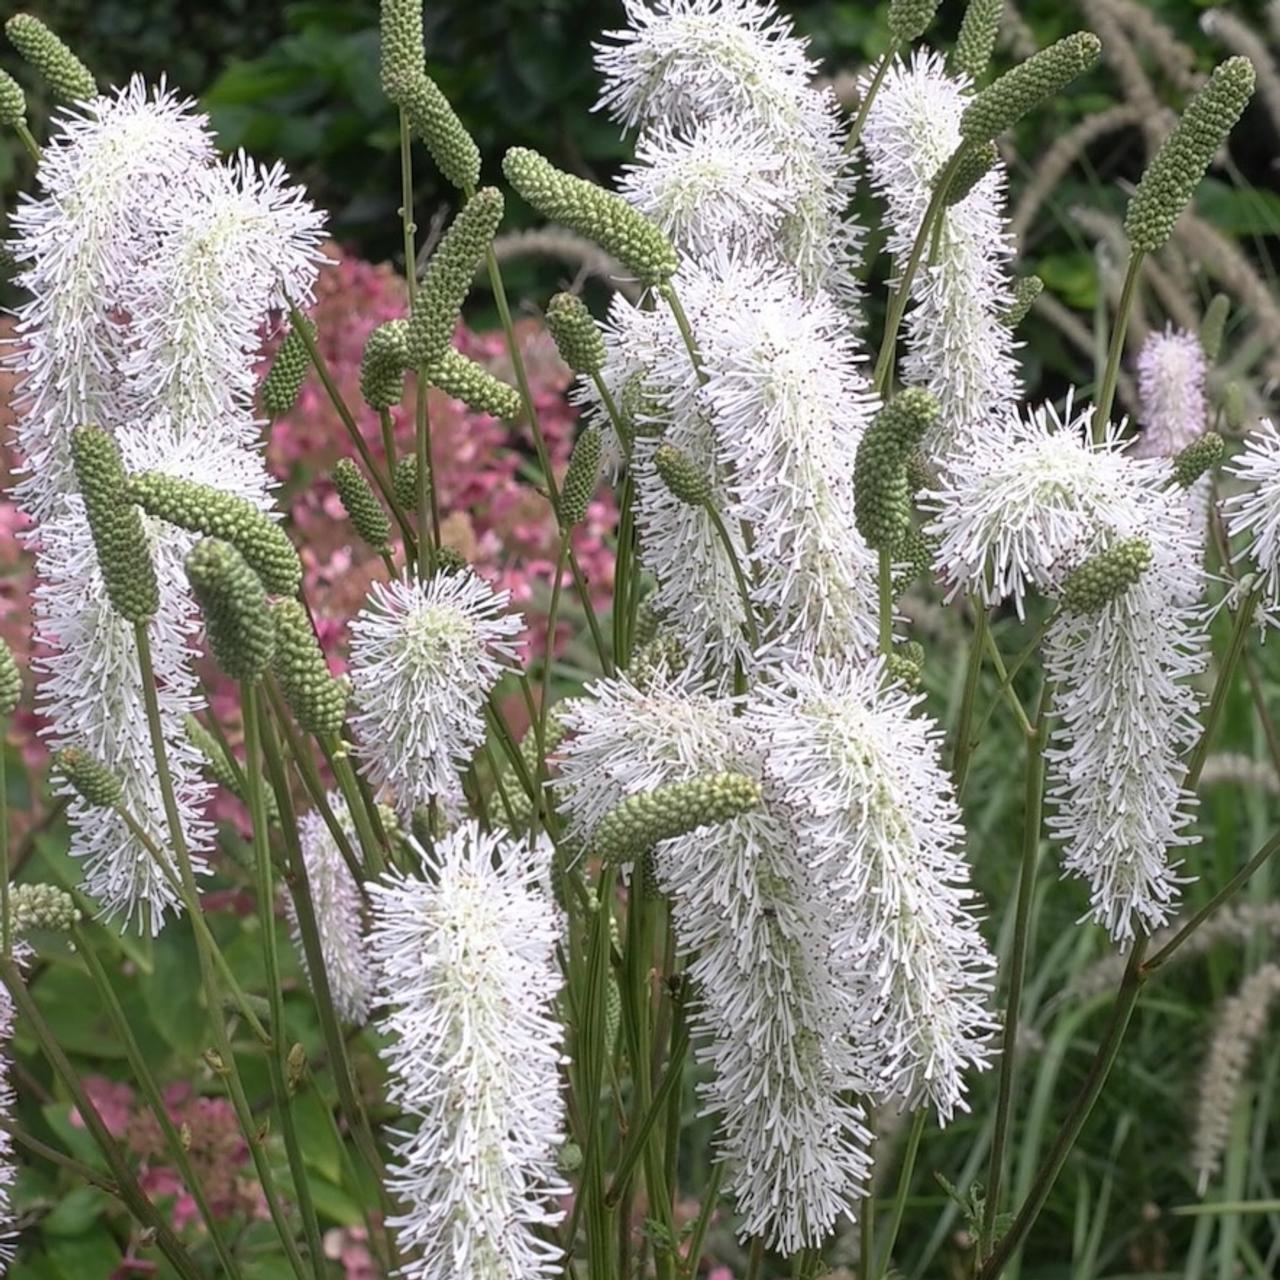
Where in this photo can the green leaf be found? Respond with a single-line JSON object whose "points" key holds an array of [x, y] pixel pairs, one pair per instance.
{"points": [[96, 1254], [1239, 211], [74, 1213], [172, 996]]}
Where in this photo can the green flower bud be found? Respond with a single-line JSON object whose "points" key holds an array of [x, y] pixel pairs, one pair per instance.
{"points": [[284, 379], [450, 560], [1214, 325], [41, 906], [219, 767], [474, 385], [1025, 291], [1177, 168], [1106, 576], [92, 780], [903, 669], [582, 477], [1233, 406], [910, 19], [658, 658], [10, 680], [591, 211], [638, 823], [362, 507], [401, 54], [680, 474], [295, 1069], [508, 781], [318, 700], [647, 622], [975, 164], [448, 276], [119, 538], [577, 336], [13, 102], [404, 482], [236, 617], [913, 558], [203, 509], [569, 1158], [1198, 457], [977, 38], [386, 357], [612, 1010], [434, 121], [68, 77], [881, 499], [1004, 102]]}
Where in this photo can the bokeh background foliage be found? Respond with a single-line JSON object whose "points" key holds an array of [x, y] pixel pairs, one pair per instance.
{"points": [[299, 82]]}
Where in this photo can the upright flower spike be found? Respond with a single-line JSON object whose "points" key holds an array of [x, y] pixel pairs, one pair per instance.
{"points": [[1005, 101], [1197, 458], [13, 102], [335, 900], [467, 976], [400, 47], [975, 164], [977, 39], [1175, 172], [576, 334], [68, 77], [1173, 409], [383, 365], [1213, 326], [882, 504], [1106, 576], [424, 657], [92, 780], [1026, 290], [448, 276], [10, 680], [593, 212], [203, 509], [1253, 516], [236, 617], [317, 700], [463, 379], [283, 382], [124, 557], [361, 504], [581, 478], [861, 773], [682, 476], [405, 482], [434, 121], [910, 19]]}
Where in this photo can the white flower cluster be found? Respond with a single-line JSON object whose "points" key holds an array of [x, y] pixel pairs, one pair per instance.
{"points": [[1254, 514], [831, 934], [149, 269], [1171, 377], [467, 979]]}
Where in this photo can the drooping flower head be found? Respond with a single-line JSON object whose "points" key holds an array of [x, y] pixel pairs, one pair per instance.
{"points": [[467, 980], [424, 657], [1173, 410]]}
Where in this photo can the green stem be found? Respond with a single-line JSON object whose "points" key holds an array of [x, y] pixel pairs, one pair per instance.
{"points": [[710, 1198], [864, 107], [900, 1196], [902, 293], [6, 925], [126, 1184], [755, 1258], [428, 501], [388, 441], [86, 1173], [27, 140], [1032, 811], [964, 743], [544, 700], [1006, 684], [749, 624], [1115, 353], [155, 1100], [884, 580], [335, 753], [866, 1235], [277, 1056], [406, 208]]}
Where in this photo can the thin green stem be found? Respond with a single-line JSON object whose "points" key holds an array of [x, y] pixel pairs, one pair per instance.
{"points": [[749, 624], [277, 1056], [900, 1196], [866, 1235], [1032, 812], [755, 1258], [387, 428], [864, 107], [427, 499], [1006, 684], [1115, 352], [706, 1211], [408, 225], [6, 925], [1222, 686], [155, 1100], [884, 581], [27, 140], [335, 753], [964, 744], [86, 1173], [549, 648]]}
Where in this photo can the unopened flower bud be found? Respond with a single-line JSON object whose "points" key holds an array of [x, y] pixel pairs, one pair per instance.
{"points": [[642, 821], [13, 102], [910, 19], [383, 364], [1199, 456], [581, 478], [41, 906], [90, 778], [1006, 100], [463, 379], [682, 476], [1214, 325], [318, 700], [68, 77], [234, 604], [434, 121], [912, 557], [361, 505], [658, 658], [1105, 576], [10, 679], [576, 334], [881, 501], [975, 163], [295, 1068], [447, 279], [978, 30], [283, 382], [404, 482], [1175, 171], [401, 53], [600, 215], [1025, 291], [119, 538], [903, 669], [1233, 406], [450, 560]]}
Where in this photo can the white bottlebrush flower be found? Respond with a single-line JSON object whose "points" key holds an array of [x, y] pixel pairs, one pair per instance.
{"points": [[776, 1007], [467, 979], [955, 341], [335, 899], [736, 66], [424, 657], [877, 815], [1171, 375], [107, 176], [1253, 516]]}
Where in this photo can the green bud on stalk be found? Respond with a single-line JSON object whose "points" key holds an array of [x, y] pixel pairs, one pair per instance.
{"points": [[361, 505], [13, 102], [10, 680], [1198, 457], [283, 382], [383, 365], [682, 476], [68, 77], [41, 906], [234, 604], [90, 778], [582, 477], [434, 121], [318, 700], [977, 39], [1213, 327], [1106, 576], [463, 379], [1025, 291], [576, 334]]}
